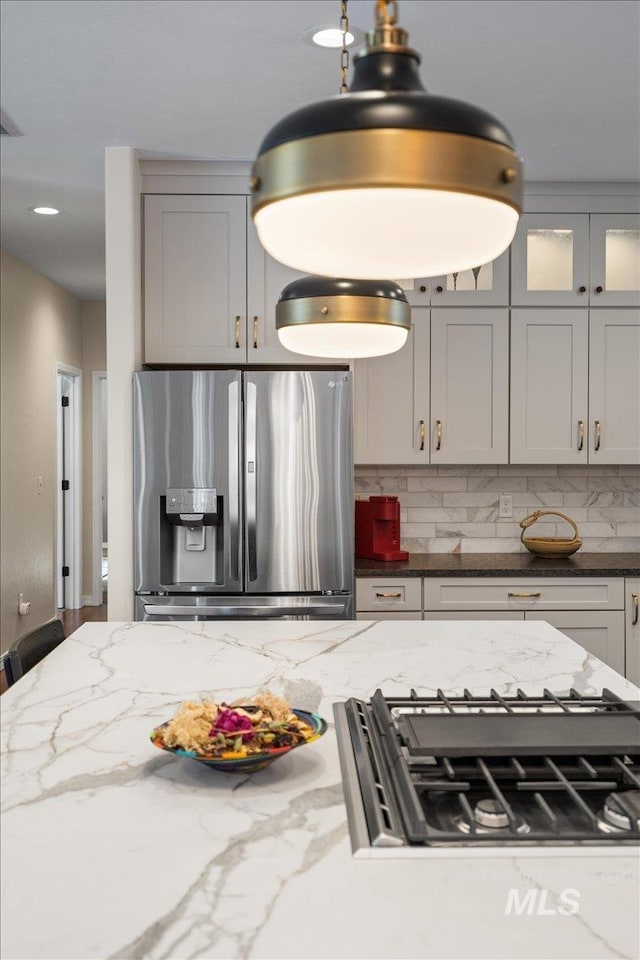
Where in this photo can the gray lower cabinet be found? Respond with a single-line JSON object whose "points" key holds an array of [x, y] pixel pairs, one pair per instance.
{"points": [[601, 633], [601, 614], [632, 631]]}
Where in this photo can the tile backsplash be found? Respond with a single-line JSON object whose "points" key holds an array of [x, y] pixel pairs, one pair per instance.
{"points": [[454, 509]]}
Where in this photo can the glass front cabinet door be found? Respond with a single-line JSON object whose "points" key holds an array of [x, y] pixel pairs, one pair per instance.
{"points": [[577, 260], [486, 285], [550, 261], [615, 260]]}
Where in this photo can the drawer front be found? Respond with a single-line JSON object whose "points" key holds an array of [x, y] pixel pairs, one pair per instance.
{"points": [[476, 615], [394, 615], [393, 593], [518, 593]]}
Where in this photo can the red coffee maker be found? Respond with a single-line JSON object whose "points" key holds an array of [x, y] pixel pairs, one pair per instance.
{"points": [[378, 529]]}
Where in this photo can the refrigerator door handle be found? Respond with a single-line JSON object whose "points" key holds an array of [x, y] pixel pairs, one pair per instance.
{"points": [[254, 610], [234, 480], [250, 477]]}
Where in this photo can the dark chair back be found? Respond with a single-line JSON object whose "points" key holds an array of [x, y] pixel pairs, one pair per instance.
{"points": [[30, 650]]}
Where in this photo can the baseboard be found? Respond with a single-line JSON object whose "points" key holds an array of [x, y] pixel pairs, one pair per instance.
{"points": [[90, 601]]}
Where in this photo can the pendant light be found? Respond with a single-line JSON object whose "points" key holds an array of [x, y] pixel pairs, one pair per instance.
{"points": [[419, 185], [325, 317], [338, 318]]}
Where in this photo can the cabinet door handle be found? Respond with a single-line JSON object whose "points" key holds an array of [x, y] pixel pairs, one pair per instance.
{"points": [[438, 434], [598, 289], [582, 289], [389, 596], [580, 435], [596, 443], [237, 333], [422, 434], [255, 333], [634, 597], [523, 596]]}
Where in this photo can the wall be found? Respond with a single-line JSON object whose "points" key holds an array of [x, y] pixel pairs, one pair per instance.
{"points": [[451, 509], [94, 357], [40, 324]]}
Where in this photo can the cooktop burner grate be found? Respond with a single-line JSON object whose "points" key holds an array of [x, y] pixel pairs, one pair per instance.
{"points": [[498, 770]]}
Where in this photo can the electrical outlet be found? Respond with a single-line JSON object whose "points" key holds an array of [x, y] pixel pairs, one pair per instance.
{"points": [[505, 509]]}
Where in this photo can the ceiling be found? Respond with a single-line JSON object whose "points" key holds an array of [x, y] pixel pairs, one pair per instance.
{"points": [[206, 79]]}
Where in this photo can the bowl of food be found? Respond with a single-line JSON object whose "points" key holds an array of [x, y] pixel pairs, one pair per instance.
{"points": [[238, 738]]}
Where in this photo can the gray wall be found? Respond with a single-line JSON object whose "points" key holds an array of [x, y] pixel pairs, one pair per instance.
{"points": [[40, 324]]}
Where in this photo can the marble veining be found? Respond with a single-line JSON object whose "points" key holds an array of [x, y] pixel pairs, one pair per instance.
{"points": [[112, 849]]}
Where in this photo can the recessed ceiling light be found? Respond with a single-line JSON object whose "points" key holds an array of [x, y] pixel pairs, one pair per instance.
{"points": [[330, 37], [45, 211]]}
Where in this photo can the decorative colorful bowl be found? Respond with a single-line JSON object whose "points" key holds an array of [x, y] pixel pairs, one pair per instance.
{"points": [[257, 761]]}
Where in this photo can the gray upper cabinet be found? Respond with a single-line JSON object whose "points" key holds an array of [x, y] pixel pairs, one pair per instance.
{"points": [[391, 401], [614, 386], [210, 289], [195, 262], [550, 261], [615, 260], [469, 386], [574, 260], [549, 385], [483, 286]]}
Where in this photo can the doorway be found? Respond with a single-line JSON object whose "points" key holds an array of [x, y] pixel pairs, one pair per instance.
{"points": [[68, 488], [100, 554]]}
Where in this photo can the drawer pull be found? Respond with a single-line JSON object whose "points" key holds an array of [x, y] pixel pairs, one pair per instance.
{"points": [[524, 596], [389, 596], [634, 597]]}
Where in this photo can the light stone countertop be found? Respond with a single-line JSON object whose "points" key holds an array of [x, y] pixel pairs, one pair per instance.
{"points": [[112, 849]]}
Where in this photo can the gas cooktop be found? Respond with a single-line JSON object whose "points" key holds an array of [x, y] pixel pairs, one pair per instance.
{"points": [[491, 772]]}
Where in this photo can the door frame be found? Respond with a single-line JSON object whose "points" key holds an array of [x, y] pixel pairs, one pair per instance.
{"points": [[97, 440], [73, 594]]}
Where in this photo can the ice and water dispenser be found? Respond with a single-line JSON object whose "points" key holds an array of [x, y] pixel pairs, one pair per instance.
{"points": [[191, 548]]}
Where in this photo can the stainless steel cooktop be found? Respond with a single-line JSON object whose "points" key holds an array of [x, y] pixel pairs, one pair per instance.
{"points": [[449, 773]]}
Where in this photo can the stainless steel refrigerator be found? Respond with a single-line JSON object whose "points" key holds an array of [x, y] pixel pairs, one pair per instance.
{"points": [[243, 495]]}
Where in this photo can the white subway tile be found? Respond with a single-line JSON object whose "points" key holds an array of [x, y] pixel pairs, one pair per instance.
{"points": [[612, 545], [416, 484], [527, 470], [423, 530], [586, 470], [446, 470], [433, 514], [498, 483], [612, 483], [560, 484], [628, 529], [465, 530], [494, 545], [591, 498], [470, 499]]}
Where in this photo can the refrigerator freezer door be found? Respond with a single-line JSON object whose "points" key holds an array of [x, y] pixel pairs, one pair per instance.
{"points": [[298, 472], [244, 608], [187, 449]]}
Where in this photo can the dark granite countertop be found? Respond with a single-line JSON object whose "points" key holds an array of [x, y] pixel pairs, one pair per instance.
{"points": [[503, 565]]}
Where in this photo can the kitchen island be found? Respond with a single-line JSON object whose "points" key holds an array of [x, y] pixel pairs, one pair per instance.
{"points": [[113, 849]]}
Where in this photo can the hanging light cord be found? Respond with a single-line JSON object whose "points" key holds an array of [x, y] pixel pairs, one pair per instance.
{"points": [[344, 61]]}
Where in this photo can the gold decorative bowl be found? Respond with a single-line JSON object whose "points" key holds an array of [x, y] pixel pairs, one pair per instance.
{"points": [[550, 546]]}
